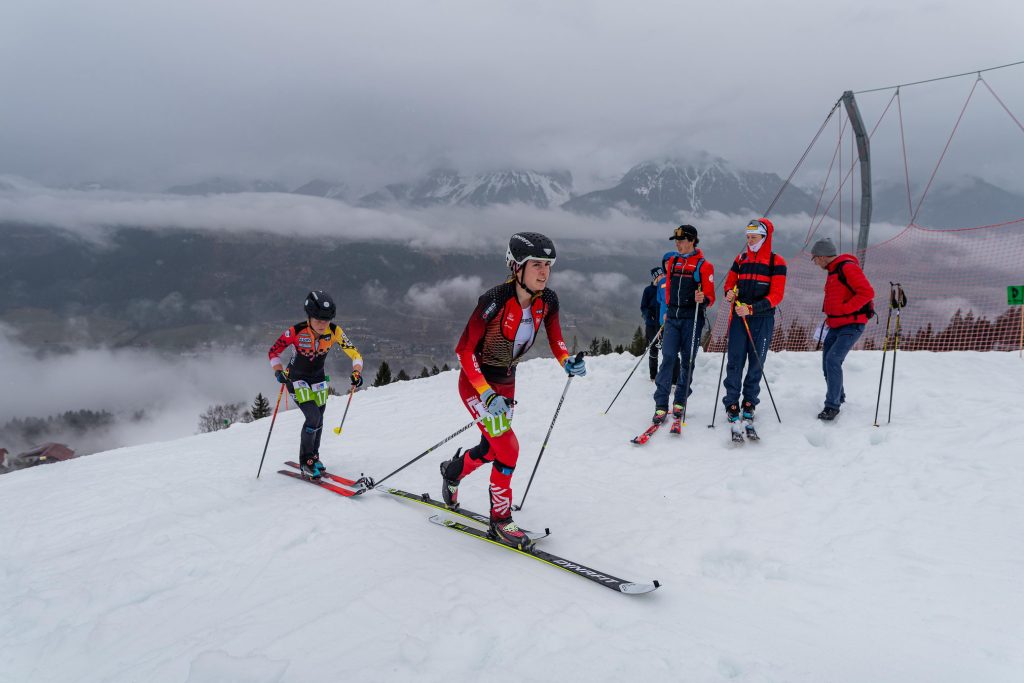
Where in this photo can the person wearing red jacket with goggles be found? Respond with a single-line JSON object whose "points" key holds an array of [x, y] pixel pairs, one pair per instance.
{"points": [[754, 286], [847, 306]]}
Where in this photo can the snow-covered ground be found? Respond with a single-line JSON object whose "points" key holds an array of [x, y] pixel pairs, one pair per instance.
{"points": [[838, 552]]}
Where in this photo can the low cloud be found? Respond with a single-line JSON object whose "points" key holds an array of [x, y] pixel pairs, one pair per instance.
{"points": [[436, 298], [153, 396]]}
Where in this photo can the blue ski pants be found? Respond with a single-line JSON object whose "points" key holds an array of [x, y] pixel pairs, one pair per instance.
{"points": [[676, 341], [741, 352], [838, 342]]}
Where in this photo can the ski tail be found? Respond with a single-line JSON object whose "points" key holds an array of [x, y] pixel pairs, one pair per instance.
{"points": [[340, 490]]}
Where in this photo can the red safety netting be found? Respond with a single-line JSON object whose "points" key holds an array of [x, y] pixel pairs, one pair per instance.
{"points": [[955, 282]]}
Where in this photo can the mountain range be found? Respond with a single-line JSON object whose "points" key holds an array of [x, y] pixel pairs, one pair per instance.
{"points": [[666, 190]]}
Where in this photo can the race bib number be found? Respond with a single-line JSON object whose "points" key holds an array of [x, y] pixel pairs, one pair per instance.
{"points": [[305, 392], [496, 426]]}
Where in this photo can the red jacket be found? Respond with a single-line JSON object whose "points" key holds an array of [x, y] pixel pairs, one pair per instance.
{"points": [[847, 292], [760, 277], [485, 349]]}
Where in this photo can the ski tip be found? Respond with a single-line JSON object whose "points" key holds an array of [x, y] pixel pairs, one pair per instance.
{"points": [[639, 588]]}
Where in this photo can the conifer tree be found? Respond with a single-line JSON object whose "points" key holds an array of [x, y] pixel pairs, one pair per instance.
{"points": [[260, 407], [383, 375], [639, 343]]}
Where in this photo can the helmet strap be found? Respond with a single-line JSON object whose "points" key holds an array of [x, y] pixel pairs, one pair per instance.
{"points": [[519, 276]]}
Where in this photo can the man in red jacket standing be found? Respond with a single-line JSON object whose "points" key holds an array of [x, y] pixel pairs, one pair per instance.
{"points": [[847, 307]]}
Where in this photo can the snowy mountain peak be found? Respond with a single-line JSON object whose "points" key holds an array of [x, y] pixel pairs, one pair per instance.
{"points": [[448, 187], [671, 189]]}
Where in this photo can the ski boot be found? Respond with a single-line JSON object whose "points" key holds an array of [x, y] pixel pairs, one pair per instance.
{"points": [[748, 421], [677, 410], [732, 413], [313, 468], [450, 487], [828, 414], [508, 532], [659, 415]]}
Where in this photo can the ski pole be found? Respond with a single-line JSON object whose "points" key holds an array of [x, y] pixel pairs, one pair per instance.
{"points": [[337, 430], [639, 360], [757, 357], [725, 349], [885, 344], [579, 357], [269, 431], [898, 300], [369, 483], [690, 362]]}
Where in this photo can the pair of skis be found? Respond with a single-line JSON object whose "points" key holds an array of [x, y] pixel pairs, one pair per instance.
{"points": [[645, 436], [741, 429], [350, 488]]}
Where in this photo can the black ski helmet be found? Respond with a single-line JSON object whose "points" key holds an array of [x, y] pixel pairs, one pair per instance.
{"points": [[319, 305], [527, 246]]}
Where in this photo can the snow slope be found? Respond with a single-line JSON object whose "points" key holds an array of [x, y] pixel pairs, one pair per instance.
{"points": [[837, 552]]}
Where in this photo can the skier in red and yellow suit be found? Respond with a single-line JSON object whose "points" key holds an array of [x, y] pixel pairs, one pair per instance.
{"points": [[306, 378], [502, 328]]}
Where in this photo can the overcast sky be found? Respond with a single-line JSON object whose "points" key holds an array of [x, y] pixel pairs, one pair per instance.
{"points": [[155, 93]]}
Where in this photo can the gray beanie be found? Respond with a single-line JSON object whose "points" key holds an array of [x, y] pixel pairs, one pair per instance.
{"points": [[823, 247]]}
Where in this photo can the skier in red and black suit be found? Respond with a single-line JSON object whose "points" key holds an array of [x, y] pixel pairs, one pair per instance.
{"points": [[755, 286], [305, 377], [502, 328]]}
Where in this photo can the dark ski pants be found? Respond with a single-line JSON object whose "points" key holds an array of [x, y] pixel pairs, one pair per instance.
{"points": [[652, 352], [741, 353], [838, 342], [312, 428], [676, 343]]}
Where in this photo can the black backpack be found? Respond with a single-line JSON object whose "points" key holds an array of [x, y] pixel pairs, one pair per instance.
{"points": [[867, 309]]}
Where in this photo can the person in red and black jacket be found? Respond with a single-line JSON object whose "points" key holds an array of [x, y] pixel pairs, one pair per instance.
{"points": [[502, 328], [688, 288], [847, 306], [754, 286]]}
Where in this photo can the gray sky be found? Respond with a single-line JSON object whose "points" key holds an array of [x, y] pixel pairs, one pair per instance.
{"points": [[156, 93]]}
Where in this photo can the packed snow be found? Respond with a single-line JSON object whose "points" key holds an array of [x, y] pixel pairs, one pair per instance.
{"points": [[826, 552]]}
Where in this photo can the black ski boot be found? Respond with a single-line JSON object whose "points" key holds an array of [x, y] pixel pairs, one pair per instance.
{"points": [[507, 531], [450, 486], [659, 414], [677, 410], [828, 414]]}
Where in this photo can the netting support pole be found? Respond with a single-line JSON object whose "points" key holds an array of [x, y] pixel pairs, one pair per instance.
{"points": [[864, 156]]}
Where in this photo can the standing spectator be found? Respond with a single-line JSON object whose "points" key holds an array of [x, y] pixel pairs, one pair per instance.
{"points": [[755, 286], [847, 306], [689, 283], [650, 309]]}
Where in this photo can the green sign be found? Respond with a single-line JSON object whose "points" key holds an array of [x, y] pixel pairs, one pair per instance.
{"points": [[1015, 296]]}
